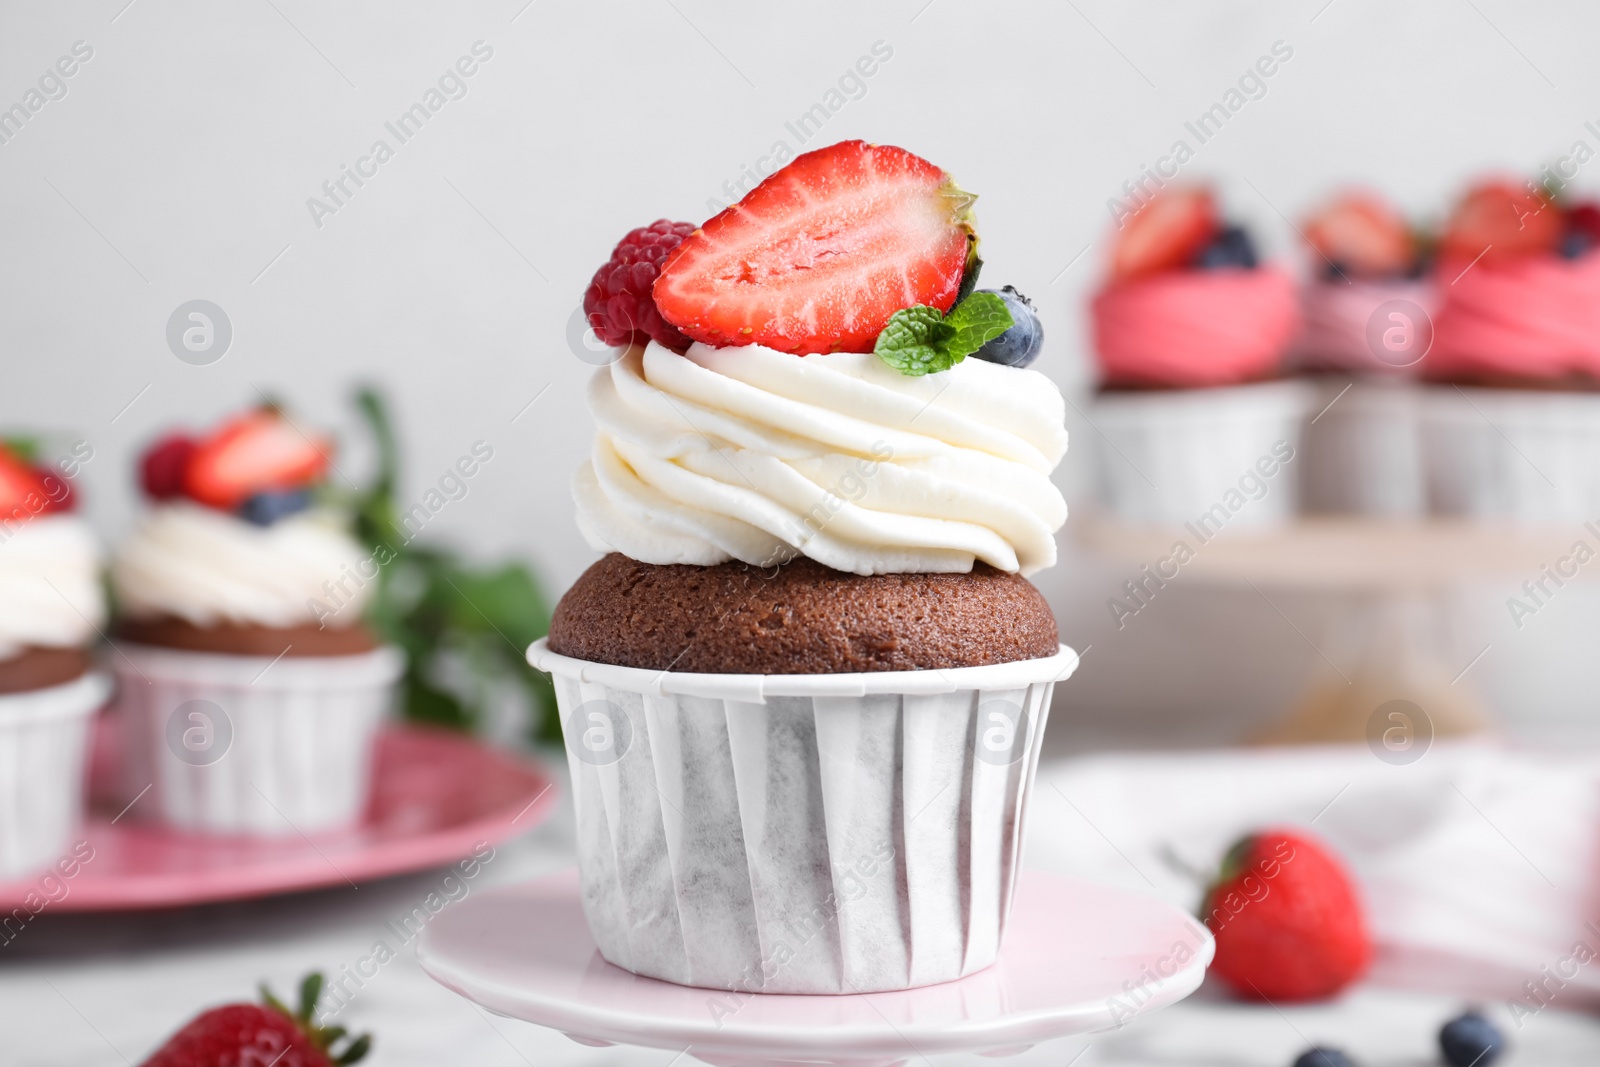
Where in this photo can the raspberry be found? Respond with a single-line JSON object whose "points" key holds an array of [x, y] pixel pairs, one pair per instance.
{"points": [[162, 467], [618, 301]]}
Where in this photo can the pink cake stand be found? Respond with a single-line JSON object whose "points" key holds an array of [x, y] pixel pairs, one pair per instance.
{"points": [[1078, 957], [436, 796]]}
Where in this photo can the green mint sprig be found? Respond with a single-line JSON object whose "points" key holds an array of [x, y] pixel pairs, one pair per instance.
{"points": [[446, 611], [920, 340]]}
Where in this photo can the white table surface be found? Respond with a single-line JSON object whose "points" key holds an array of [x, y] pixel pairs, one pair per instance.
{"points": [[103, 990]]}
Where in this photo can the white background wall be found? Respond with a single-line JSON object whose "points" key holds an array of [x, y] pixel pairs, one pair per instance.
{"points": [[179, 163]]}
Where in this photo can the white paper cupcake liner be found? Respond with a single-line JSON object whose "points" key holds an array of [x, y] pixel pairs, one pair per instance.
{"points": [[247, 745], [801, 833], [1167, 457], [1512, 454], [44, 747], [1363, 454]]}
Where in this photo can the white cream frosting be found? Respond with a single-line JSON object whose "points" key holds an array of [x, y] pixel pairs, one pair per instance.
{"points": [[50, 593], [757, 455], [208, 567]]}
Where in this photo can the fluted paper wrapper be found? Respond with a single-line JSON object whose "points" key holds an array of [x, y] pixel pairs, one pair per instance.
{"points": [[1512, 454], [241, 745], [801, 833], [1364, 451], [1167, 456], [44, 742]]}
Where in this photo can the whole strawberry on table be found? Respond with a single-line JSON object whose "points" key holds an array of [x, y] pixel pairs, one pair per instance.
{"points": [[259, 1035], [1287, 918]]}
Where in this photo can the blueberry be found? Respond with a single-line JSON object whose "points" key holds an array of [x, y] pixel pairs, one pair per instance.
{"points": [[1018, 346], [1324, 1057], [1470, 1040], [264, 509], [1575, 243], [1231, 247]]}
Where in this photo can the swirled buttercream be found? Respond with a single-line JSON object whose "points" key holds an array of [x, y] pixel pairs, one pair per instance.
{"points": [[1336, 316], [208, 567], [756, 455], [1190, 328], [50, 593], [1533, 317]]}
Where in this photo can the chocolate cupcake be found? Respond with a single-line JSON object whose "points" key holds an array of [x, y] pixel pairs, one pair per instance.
{"points": [[1511, 425], [51, 608], [803, 691], [1367, 319], [251, 690], [1190, 331], [800, 618]]}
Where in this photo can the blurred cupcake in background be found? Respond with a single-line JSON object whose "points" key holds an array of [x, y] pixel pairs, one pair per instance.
{"points": [[1190, 333], [1367, 324], [51, 612], [251, 691], [1366, 256], [1511, 430]]}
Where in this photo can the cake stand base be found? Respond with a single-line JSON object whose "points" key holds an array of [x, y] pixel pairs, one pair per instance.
{"points": [[1394, 690], [1399, 680], [1078, 957]]}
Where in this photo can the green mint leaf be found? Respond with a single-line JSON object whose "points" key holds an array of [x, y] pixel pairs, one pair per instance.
{"points": [[919, 340], [446, 612], [976, 321], [913, 342]]}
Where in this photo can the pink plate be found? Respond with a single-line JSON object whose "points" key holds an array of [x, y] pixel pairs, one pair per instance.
{"points": [[1078, 957], [436, 795]]}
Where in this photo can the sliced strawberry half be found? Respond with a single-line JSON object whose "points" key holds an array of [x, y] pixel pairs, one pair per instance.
{"points": [[1361, 233], [25, 490], [1165, 234], [1501, 220], [21, 487], [251, 454], [819, 256]]}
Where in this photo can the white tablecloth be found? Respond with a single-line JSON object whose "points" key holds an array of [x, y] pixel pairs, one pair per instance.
{"points": [[102, 991], [1479, 863]]}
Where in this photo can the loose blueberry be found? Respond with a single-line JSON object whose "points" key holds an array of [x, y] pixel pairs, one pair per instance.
{"points": [[1324, 1057], [1575, 243], [1018, 346], [264, 509], [1470, 1040], [1231, 247]]}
